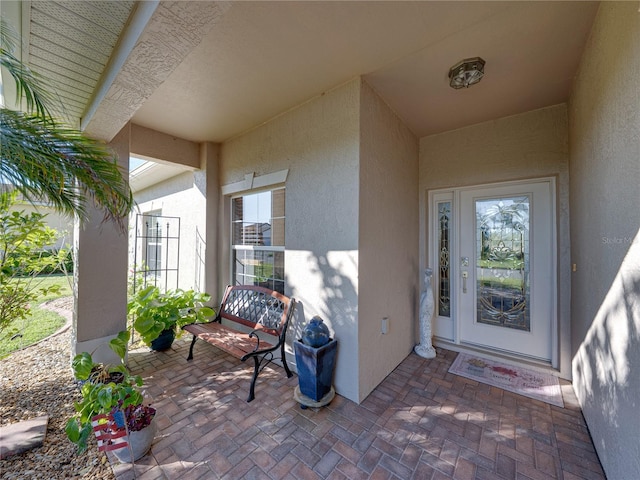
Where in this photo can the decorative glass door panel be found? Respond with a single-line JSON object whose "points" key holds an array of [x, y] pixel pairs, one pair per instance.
{"points": [[502, 262], [442, 244], [444, 255], [505, 265]]}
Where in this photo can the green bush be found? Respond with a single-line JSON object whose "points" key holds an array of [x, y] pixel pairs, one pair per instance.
{"points": [[43, 262], [23, 239]]}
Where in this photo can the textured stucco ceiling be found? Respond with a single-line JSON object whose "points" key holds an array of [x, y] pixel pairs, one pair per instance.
{"points": [[261, 59], [207, 71]]}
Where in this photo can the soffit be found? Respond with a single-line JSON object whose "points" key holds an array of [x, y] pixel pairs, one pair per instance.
{"points": [[208, 71], [71, 43], [150, 173]]}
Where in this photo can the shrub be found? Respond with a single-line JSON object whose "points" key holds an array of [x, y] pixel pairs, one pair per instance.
{"points": [[23, 239]]}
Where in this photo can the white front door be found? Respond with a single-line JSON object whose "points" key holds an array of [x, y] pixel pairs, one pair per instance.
{"points": [[502, 269]]}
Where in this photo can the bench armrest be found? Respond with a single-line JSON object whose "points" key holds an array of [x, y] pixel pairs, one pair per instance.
{"points": [[257, 350]]}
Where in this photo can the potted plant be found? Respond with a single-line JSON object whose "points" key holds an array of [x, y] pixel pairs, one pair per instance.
{"points": [[158, 317], [111, 391], [85, 369], [141, 430], [122, 401]]}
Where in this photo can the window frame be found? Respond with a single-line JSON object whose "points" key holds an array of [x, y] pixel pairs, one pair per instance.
{"points": [[156, 242], [233, 248]]}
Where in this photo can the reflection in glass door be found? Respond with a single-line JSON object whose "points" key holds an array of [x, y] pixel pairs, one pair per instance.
{"points": [[502, 262]]}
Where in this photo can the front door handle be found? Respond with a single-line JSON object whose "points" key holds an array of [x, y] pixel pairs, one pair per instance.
{"points": [[465, 275]]}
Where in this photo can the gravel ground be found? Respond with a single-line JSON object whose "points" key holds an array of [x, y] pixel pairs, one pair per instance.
{"points": [[37, 381]]}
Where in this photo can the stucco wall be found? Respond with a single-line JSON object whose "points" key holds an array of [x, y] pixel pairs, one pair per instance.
{"points": [[209, 164], [100, 276], [604, 118], [182, 196], [388, 240], [319, 143], [155, 145], [530, 145], [63, 224]]}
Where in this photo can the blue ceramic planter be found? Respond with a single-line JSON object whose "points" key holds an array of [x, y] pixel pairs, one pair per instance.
{"points": [[164, 340], [315, 368], [315, 334]]}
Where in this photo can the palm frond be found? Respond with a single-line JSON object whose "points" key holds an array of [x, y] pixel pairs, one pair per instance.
{"points": [[49, 162], [46, 161]]}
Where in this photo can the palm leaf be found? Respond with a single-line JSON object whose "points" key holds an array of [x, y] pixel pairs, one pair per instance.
{"points": [[49, 162]]}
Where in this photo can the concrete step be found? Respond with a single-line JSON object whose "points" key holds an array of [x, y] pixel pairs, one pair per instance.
{"points": [[22, 436]]}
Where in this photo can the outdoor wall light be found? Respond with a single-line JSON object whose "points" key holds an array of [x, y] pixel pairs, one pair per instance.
{"points": [[466, 73]]}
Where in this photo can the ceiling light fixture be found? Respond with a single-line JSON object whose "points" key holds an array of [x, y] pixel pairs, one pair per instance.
{"points": [[466, 73]]}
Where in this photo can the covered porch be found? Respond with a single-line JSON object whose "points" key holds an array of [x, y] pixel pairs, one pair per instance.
{"points": [[421, 422], [347, 106]]}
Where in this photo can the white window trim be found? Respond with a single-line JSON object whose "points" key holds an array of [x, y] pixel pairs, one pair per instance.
{"points": [[265, 183], [251, 182], [264, 248]]}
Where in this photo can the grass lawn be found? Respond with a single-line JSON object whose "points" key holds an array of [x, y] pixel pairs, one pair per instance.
{"points": [[41, 323]]}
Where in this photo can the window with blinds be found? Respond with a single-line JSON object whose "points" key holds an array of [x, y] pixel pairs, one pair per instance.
{"points": [[258, 239]]}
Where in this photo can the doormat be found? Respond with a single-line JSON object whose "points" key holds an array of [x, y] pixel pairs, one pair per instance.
{"points": [[532, 384]]}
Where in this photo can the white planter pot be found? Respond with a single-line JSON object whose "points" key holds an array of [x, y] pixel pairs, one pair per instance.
{"points": [[140, 444]]}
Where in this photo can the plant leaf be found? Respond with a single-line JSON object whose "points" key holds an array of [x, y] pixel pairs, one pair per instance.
{"points": [[73, 430], [82, 365], [119, 344], [105, 398]]}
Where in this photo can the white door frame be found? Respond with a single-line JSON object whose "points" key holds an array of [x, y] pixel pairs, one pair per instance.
{"points": [[446, 331]]}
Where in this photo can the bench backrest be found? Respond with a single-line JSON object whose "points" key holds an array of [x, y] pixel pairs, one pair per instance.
{"points": [[257, 308]]}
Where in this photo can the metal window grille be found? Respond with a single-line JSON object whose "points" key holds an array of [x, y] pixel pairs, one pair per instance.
{"points": [[156, 252]]}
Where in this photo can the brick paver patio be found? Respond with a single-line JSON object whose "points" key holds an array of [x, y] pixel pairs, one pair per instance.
{"points": [[421, 423]]}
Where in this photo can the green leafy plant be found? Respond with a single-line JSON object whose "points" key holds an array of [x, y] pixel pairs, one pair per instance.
{"points": [[101, 394], [154, 311], [23, 257], [101, 398], [85, 369]]}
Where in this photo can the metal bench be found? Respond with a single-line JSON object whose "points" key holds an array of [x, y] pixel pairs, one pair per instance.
{"points": [[263, 311]]}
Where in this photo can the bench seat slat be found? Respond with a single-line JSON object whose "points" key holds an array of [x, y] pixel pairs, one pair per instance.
{"points": [[234, 342]]}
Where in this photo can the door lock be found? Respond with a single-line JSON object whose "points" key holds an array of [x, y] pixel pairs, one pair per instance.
{"points": [[464, 261]]}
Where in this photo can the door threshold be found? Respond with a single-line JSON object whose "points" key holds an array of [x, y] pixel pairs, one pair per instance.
{"points": [[496, 355]]}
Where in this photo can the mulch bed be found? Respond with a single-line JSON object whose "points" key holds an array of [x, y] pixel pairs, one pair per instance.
{"points": [[36, 381]]}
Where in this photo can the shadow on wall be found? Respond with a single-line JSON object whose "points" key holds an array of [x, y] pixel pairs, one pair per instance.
{"points": [[606, 368], [326, 289]]}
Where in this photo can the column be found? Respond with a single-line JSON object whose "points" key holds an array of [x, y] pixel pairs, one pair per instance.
{"points": [[100, 277]]}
